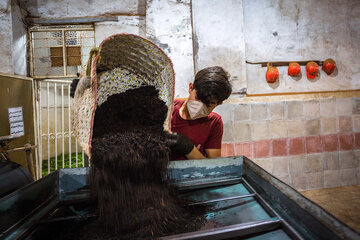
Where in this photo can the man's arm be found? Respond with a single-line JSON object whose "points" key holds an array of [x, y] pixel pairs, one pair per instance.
{"points": [[195, 154], [213, 144], [213, 153]]}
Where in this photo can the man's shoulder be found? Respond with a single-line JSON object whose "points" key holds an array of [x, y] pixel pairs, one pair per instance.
{"points": [[177, 103], [214, 117]]}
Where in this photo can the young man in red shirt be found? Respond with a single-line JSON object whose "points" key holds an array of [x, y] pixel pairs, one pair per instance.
{"points": [[197, 130]]}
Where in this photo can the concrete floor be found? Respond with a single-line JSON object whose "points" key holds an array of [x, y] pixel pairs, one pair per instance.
{"points": [[342, 202]]}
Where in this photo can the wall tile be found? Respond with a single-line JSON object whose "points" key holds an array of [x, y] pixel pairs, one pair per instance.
{"points": [[331, 160], [295, 128], [332, 178], [259, 111], [312, 127], [228, 135], [280, 166], [357, 140], [245, 148], [346, 141], [284, 178], [328, 125], [356, 105], [278, 129], [296, 164], [242, 131], [299, 181], [330, 142], [311, 109], [344, 106], [313, 144], [242, 112], [265, 163], [262, 149], [314, 163], [345, 124], [294, 109], [328, 107], [259, 130], [227, 149], [279, 147], [348, 177], [356, 123], [315, 180], [277, 110], [296, 146], [348, 159], [226, 111], [357, 155]]}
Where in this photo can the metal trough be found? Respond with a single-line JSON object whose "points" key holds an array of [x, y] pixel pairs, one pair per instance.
{"points": [[246, 203]]}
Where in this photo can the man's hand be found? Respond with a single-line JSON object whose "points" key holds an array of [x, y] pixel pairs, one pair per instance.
{"points": [[178, 143]]}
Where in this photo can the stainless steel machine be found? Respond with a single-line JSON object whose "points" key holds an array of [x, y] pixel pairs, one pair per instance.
{"points": [[244, 202]]}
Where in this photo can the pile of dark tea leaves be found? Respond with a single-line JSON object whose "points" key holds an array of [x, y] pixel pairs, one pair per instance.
{"points": [[130, 156]]}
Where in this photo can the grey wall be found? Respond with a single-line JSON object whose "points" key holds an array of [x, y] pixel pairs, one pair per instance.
{"points": [[202, 33], [82, 8], [6, 63], [12, 39], [19, 38]]}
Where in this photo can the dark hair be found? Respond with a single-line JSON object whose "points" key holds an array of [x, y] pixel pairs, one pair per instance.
{"points": [[212, 83]]}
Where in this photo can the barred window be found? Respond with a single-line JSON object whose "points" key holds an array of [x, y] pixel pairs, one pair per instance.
{"points": [[60, 51]]}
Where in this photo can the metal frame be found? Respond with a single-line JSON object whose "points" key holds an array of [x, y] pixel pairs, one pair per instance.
{"points": [[69, 186], [241, 230], [288, 229], [236, 230], [54, 29]]}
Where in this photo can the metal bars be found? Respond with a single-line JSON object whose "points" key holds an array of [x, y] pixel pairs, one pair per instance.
{"points": [[289, 230], [54, 126], [222, 199], [239, 230], [232, 231]]}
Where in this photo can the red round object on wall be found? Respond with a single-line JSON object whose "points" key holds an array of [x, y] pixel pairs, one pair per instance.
{"points": [[312, 70], [272, 74], [329, 66], [294, 69]]}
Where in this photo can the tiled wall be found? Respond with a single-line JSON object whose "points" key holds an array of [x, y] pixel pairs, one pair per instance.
{"points": [[308, 144]]}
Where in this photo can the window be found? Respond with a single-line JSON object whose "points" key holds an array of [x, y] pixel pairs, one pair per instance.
{"points": [[60, 51], [73, 56]]}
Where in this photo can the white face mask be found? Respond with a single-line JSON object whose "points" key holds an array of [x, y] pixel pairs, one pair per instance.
{"points": [[197, 109]]}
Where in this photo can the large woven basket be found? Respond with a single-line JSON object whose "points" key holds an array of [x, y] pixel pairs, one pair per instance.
{"points": [[123, 62]]}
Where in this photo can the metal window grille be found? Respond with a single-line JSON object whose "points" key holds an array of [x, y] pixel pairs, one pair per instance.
{"points": [[57, 146], [59, 51]]}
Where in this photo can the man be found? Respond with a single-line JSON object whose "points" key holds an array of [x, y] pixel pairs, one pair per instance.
{"points": [[199, 130]]}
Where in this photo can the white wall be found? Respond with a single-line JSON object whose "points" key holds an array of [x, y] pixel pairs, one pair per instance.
{"points": [[125, 24], [168, 24], [219, 39], [287, 30]]}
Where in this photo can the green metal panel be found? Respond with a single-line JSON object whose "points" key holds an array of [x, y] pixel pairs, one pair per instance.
{"points": [[17, 91], [230, 211]]}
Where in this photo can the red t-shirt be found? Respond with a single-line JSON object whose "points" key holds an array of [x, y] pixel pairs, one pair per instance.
{"points": [[205, 133]]}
